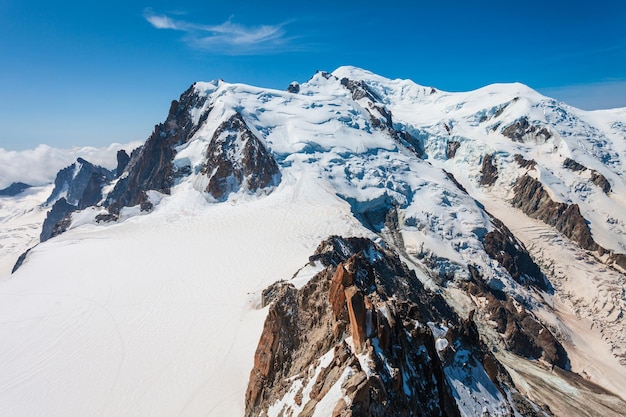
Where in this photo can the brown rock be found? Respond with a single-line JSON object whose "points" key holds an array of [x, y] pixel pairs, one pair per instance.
{"points": [[489, 171], [340, 281], [356, 312]]}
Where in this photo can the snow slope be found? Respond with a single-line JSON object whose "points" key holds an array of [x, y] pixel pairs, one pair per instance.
{"points": [[157, 315], [21, 218]]}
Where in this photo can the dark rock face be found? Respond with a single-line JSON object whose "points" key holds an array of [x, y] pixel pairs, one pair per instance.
{"points": [[80, 183], [525, 163], [596, 178], [573, 165], [521, 331], [522, 128], [14, 189], [75, 188], [236, 158], [601, 181], [21, 259], [501, 245], [57, 213], [365, 292], [359, 90], [452, 147], [150, 166], [533, 199], [294, 88], [489, 171], [122, 162]]}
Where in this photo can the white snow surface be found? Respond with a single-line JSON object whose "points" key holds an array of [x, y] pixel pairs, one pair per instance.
{"points": [[158, 314], [21, 217]]}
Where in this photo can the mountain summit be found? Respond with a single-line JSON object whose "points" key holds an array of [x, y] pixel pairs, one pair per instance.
{"points": [[351, 246]]}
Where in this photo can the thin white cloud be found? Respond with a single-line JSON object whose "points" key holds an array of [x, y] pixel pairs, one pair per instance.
{"points": [[226, 38], [161, 22], [39, 166]]}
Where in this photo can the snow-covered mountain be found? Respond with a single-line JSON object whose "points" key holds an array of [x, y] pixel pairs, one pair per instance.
{"points": [[351, 246]]}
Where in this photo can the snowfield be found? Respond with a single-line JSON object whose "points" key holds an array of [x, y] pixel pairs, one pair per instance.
{"points": [[158, 315]]}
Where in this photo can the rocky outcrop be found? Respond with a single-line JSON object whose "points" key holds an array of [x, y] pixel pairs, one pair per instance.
{"points": [[381, 117], [76, 187], [596, 178], [534, 200], [451, 148], [501, 245], [236, 159], [150, 166], [488, 171], [80, 184], [522, 333], [59, 211], [522, 130], [122, 162], [294, 87], [601, 181], [525, 163], [364, 327], [14, 189], [573, 165], [360, 90]]}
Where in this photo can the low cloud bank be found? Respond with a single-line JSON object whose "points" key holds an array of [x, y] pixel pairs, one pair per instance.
{"points": [[39, 166]]}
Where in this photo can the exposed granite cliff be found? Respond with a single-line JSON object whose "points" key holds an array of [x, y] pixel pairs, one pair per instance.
{"points": [[596, 178], [531, 197], [534, 200], [522, 130], [366, 328], [488, 171], [76, 187], [381, 117], [150, 166], [236, 159]]}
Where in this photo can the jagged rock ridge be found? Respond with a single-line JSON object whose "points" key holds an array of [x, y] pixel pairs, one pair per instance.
{"points": [[392, 363], [76, 187], [150, 166], [236, 158]]}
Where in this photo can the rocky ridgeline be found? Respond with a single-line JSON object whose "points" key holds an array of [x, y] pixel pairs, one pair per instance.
{"points": [[236, 158], [523, 130], [150, 166], [76, 187], [531, 197], [596, 178], [374, 322], [381, 117]]}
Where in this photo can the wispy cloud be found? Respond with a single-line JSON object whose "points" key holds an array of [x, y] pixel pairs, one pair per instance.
{"points": [[227, 38]]}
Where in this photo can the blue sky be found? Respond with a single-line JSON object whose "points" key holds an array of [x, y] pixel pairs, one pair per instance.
{"points": [[94, 73]]}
